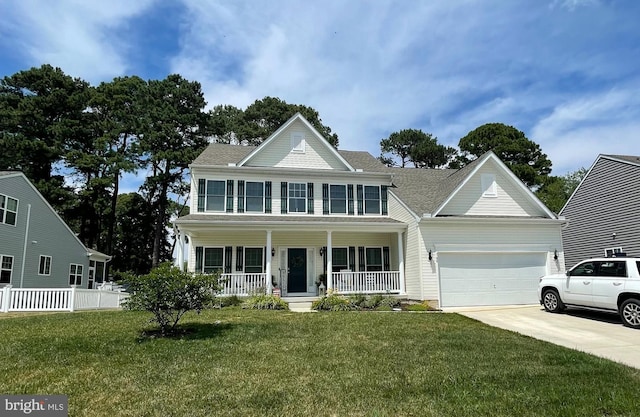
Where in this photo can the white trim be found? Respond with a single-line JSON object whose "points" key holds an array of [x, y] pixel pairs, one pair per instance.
{"points": [[76, 275], [297, 142], [614, 250], [6, 210], [306, 198], [489, 186]]}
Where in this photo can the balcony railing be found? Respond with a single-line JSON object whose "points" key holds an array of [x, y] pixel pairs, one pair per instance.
{"points": [[366, 282], [242, 284]]}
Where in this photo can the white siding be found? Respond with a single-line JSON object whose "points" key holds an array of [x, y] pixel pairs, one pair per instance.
{"points": [[511, 199], [412, 253], [278, 152], [496, 237]]}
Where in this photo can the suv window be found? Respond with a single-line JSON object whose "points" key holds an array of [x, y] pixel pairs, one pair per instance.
{"points": [[585, 269], [612, 269], [638, 266]]}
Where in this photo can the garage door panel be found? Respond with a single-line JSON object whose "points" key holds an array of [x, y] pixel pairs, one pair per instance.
{"points": [[489, 279]]}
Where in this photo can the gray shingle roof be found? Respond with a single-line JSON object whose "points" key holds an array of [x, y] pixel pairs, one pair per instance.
{"points": [[628, 158], [422, 190]]}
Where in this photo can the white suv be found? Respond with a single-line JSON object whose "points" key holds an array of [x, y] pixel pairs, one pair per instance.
{"points": [[610, 284]]}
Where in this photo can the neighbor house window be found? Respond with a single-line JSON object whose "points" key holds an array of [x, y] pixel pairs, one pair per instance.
{"points": [[215, 195], [609, 252], [75, 274], [213, 260], [45, 265], [371, 199], [253, 260], [297, 198], [6, 267], [8, 210], [338, 198], [373, 259], [254, 196]]}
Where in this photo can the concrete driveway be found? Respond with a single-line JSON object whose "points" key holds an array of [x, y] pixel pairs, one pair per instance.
{"points": [[600, 334]]}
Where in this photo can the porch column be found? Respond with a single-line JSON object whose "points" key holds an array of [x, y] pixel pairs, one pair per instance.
{"points": [[401, 263], [267, 270], [329, 255], [180, 251]]}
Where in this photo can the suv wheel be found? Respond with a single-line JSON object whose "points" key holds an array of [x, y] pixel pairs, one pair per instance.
{"points": [[630, 313], [551, 301]]}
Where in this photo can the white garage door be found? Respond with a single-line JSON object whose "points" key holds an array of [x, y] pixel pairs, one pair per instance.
{"points": [[478, 279]]}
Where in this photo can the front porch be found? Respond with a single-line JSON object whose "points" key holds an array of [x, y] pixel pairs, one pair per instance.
{"points": [[381, 282]]}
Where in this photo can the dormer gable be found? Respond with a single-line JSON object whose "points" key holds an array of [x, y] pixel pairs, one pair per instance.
{"points": [[296, 144]]}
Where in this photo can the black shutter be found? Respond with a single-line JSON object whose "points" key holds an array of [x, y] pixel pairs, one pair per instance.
{"points": [[240, 196], [202, 187], [385, 258], [360, 200], [350, 197], [199, 252], [239, 258], [228, 250], [267, 197], [283, 197], [229, 196], [310, 198], [352, 258], [385, 209], [361, 259], [325, 198], [264, 258]]}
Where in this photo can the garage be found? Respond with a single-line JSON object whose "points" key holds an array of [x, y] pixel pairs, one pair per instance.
{"points": [[489, 278]]}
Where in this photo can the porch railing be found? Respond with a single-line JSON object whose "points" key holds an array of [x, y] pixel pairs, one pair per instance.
{"points": [[366, 282], [242, 284], [57, 299]]}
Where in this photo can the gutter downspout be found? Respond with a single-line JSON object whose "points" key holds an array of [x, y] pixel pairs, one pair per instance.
{"points": [[24, 249]]}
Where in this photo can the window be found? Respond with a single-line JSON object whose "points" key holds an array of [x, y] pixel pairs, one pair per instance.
{"points": [[45, 265], [297, 142], [213, 260], [586, 269], [215, 196], [612, 269], [75, 274], [340, 260], [254, 196], [297, 198], [8, 210], [6, 267], [338, 198], [253, 260], [371, 199], [489, 187], [609, 252], [373, 259]]}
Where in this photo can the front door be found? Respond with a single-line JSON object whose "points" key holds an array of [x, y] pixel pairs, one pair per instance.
{"points": [[297, 265]]}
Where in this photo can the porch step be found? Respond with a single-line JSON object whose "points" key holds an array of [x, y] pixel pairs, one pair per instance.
{"points": [[300, 306]]}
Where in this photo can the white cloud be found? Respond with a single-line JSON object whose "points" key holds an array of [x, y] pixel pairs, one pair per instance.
{"points": [[81, 37]]}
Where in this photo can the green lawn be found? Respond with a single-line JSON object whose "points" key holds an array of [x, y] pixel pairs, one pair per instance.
{"points": [[244, 363]]}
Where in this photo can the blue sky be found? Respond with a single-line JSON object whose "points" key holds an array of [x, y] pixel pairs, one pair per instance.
{"points": [[565, 72]]}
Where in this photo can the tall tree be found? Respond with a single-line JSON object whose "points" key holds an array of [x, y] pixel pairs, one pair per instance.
{"points": [[523, 156], [556, 191], [415, 146], [41, 112], [174, 137], [260, 119], [133, 235], [120, 112]]}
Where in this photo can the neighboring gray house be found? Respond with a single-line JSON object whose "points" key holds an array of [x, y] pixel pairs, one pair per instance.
{"points": [[604, 210], [37, 248]]}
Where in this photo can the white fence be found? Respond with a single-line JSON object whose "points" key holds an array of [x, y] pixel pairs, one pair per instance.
{"points": [[242, 284], [57, 299], [366, 282]]}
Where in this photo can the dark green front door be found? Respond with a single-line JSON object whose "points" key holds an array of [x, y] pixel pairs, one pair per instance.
{"points": [[297, 264]]}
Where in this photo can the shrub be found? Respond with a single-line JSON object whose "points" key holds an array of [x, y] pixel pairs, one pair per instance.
{"points": [[333, 302], [229, 301], [168, 293], [390, 302], [359, 300], [374, 301], [265, 302]]}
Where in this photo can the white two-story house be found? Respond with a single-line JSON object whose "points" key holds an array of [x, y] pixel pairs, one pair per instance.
{"points": [[295, 212]]}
